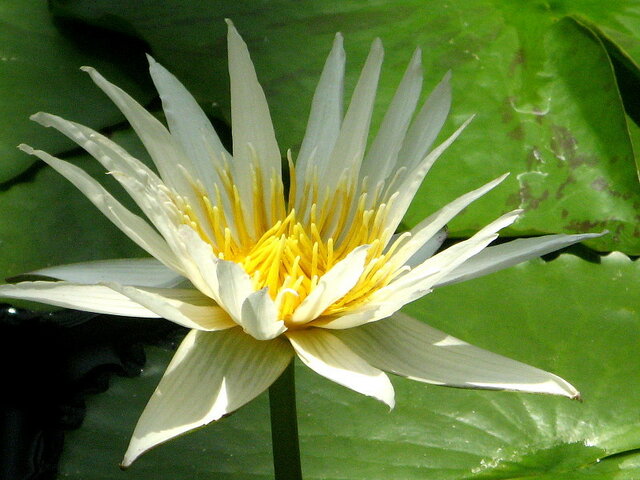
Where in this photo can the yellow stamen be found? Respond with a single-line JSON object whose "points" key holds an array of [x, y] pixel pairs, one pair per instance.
{"points": [[286, 251]]}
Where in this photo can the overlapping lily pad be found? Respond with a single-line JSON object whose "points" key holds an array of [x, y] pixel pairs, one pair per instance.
{"points": [[570, 316], [39, 70], [541, 84]]}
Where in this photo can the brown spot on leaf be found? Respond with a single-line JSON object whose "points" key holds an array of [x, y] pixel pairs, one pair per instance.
{"points": [[517, 133], [518, 59], [565, 147], [584, 225], [507, 110], [513, 200], [563, 143], [577, 160], [570, 179], [564, 213], [531, 201]]}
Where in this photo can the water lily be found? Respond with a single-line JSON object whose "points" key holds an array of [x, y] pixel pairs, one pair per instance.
{"points": [[261, 273]]}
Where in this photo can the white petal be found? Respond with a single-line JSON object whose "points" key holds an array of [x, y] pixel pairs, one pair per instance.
{"points": [[381, 158], [427, 125], [428, 249], [325, 354], [250, 123], [429, 273], [234, 286], [141, 272], [370, 312], [140, 182], [496, 258], [411, 180], [164, 150], [90, 298], [419, 281], [407, 347], [431, 225], [350, 146], [323, 126], [211, 375], [189, 126], [187, 307], [260, 316], [111, 155], [332, 286], [132, 225], [199, 261]]}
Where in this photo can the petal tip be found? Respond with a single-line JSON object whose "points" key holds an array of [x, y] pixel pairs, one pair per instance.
{"points": [[26, 148]]}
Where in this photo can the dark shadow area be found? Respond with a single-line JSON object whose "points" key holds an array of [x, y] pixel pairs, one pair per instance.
{"points": [[50, 363]]}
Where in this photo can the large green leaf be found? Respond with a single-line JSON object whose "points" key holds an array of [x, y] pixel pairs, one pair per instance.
{"points": [[576, 318], [522, 68], [39, 70]]}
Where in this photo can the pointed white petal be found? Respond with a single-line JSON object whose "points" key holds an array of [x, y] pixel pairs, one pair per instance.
{"points": [[250, 123], [332, 286], [189, 126], [140, 182], [111, 155], [187, 307], [325, 117], [427, 124], [427, 228], [260, 316], [381, 158], [349, 149], [325, 354], [496, 258], [429, 273], [428, 249], [419, 281], [211, 375], [164, 150], [411, 180], [407, 347], [131, 225], [91, 298], [141, 272]]}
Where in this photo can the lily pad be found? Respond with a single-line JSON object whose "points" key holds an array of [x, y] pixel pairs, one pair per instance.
{"points": [[522, 68], [39, 70], [576, 318]]}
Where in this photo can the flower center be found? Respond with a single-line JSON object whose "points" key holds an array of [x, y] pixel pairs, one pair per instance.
{"points": [[289, 256]]}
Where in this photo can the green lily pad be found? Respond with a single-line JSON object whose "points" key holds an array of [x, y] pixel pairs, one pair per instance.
{"points": [[39, 71], [575, 318], [522, 68]]}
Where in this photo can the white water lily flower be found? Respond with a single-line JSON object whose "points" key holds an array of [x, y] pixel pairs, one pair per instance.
{"points": [[315, 272]]}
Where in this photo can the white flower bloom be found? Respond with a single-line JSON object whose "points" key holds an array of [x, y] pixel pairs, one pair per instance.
{"points": [[270, 274]]}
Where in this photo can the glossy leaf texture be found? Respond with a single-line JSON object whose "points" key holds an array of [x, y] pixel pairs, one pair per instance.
{"points": [[40, 62], [541, 83], [433, 433]]}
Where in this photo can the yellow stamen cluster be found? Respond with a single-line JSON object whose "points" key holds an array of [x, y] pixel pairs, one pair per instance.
{"points": [[289, 256]]}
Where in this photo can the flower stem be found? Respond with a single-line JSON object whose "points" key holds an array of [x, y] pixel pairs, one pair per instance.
{"points": [[284, 427]]}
